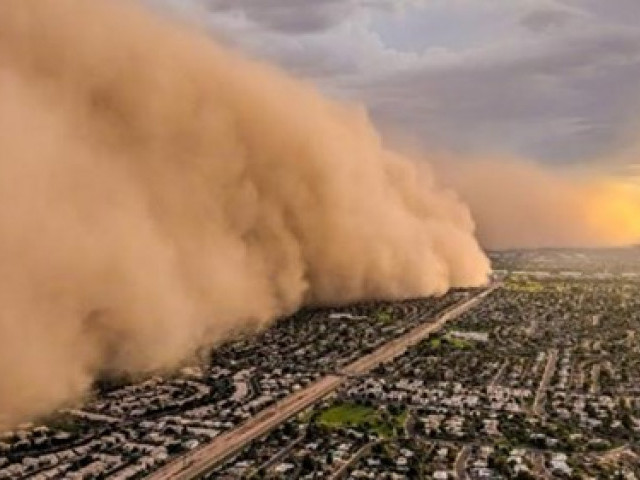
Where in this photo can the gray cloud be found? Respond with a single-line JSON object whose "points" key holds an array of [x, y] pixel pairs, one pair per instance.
{"points": [[286, 15], [544, 19], [557, 82], [564, 100]]}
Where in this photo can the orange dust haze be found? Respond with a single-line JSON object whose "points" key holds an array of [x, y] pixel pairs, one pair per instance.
{"points": [[158, 192]]}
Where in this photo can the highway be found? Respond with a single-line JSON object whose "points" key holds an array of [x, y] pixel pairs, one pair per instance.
{"points": [[544, 383], [398, 346], [197, 463]]}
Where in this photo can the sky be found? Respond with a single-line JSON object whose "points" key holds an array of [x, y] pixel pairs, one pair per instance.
{"points": [[555, 81]]}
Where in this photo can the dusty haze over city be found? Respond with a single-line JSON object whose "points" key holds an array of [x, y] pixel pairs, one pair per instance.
{"points": [[160, 192]]}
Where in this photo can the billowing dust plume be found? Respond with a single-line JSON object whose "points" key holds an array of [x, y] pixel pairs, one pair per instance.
{"points": [[158, 192], [519, 204]]}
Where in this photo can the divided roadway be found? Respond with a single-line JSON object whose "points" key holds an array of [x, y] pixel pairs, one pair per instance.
{"points": [[197, 463]]}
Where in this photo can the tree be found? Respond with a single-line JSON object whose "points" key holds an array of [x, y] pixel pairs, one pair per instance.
{"points": [[307, 464], [524, 475]]}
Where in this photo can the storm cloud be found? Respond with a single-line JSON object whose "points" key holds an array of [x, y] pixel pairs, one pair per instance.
{"points": [[553, 80]]}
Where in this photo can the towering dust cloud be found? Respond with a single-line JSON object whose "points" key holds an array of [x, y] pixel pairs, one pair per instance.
{"points": [[158, 192]]}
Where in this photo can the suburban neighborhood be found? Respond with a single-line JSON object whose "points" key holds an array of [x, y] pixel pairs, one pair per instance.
{"points": [[536, 377]]}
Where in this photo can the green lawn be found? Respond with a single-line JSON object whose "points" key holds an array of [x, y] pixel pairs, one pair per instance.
{"points": [[528, 286], [353, 415], [458, 343], [401, 418], [348, 414], [434, 344], [384, 317]]}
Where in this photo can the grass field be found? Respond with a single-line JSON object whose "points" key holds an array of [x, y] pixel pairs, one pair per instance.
{"points": [[448, 342], [384, 316], [458, 343], [346, 415], [527, 286]]}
